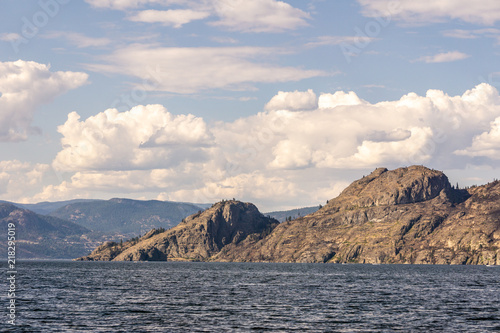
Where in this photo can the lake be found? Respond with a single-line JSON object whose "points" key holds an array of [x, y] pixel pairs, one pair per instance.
{"points": [[66, 296]]}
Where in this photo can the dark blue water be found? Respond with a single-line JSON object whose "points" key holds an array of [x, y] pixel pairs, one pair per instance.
{"points": [[62, 296]]}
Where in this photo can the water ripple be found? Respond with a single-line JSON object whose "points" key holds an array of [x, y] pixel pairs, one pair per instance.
{"points": [[61, 296]]}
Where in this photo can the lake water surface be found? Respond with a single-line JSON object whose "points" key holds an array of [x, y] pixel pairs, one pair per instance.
{"points": [[65, 296]]}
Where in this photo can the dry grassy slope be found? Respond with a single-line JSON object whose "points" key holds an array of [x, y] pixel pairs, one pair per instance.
{"points": [[408, 215]]}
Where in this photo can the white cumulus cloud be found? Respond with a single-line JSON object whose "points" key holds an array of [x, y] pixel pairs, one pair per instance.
{"points": [[25, 85], [347, 132], [486, 144], [339, 98], [276, 158], [83, 184], [254, 185], [146, 137], [296, 100], [19, 180]]}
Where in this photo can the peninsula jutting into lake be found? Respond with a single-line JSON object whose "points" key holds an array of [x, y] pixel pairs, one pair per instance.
{"points": [[409, 215]]}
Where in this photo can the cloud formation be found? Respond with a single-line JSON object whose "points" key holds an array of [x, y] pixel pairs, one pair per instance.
{"points": [[486, 144], [190, 70], [444, 57], [339, 40], [146, 137], [128, 4], [346, 132], [485, 12], [256, 16], [294, 101], [20, 180], [328, 101], [9, 36], [24, 86], [473, 34], [172, 17], [84, 184], [279, 156], [77, 39]]}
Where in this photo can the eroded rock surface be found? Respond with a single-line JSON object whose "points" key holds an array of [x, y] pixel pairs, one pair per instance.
{"points": [[407, 215], [198, 237]]}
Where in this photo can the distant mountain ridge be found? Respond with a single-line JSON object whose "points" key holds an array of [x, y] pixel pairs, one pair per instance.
{"points": [[292, 214], [126, 216], [39, 236], [63, 235], [47, 207], [408, 215]]}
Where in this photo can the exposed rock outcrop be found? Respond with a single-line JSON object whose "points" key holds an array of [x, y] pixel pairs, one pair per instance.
{"points": [[198, 237], [109, 250], [401, 186], [407, 215]]}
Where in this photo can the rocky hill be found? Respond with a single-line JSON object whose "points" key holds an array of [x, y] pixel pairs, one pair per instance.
{"points": [[407, 215], [198, 237]]}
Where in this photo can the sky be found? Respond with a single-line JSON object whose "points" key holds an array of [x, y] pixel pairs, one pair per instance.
{"points": [[279, 103]]}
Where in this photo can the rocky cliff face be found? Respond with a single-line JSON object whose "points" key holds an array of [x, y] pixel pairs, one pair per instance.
{"points": [[407, 215], [401, 186], [198, 237]]}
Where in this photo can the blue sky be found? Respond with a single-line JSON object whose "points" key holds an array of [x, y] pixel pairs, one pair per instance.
{"points": [[281, 103]]}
